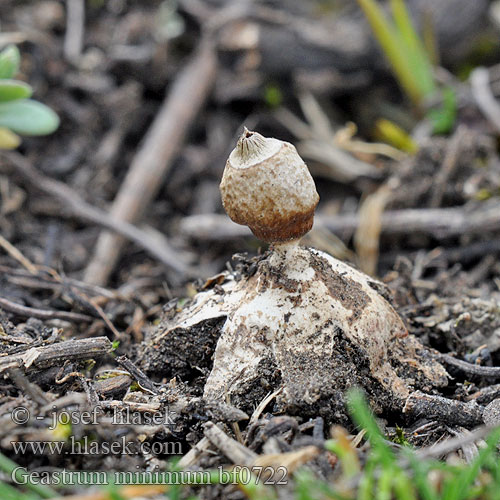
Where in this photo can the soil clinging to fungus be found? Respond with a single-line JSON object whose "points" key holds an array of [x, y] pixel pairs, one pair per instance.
{"points": [[304, 322]]}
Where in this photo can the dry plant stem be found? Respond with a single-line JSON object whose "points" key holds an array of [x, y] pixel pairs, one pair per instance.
{"points": [[450, 162], [155, 157], [485, 100], [447, 411], [194, 453], [452, 444], [341, 165], [144, 381], [32, 390], [28, 312], [367, 235], [236, 452], [16, 254], [156, 245], [54, 281], [75, 27], [469, 368], [56, 354], [438, 222]]}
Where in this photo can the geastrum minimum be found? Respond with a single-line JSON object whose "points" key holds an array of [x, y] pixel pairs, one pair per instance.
{"points": [[303, 324]]}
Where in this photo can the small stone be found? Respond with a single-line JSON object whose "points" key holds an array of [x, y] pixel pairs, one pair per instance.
{"points": [[491, 414]]}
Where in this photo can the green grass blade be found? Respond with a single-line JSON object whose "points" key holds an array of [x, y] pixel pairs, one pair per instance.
{"points": [[403, 487], [384, 484], [420, 469], [417, 56], [7, 492], [469, 475], [348, 458], [363, 417], [12, 470], [393, 47], [367, 481], [444, 118]]}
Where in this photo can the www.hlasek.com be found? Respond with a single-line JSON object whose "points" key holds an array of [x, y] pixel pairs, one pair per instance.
{"points": [[86, 446], [237, 475]]}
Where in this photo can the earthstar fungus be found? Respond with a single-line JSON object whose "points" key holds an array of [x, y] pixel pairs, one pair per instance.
{"points": [[295, 321], [304, 321]]}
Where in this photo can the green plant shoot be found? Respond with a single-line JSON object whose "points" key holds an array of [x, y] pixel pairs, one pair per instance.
{"points": [[18, 113]]}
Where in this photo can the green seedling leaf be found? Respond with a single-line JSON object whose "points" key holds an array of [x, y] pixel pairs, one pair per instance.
{"points": [[420, 471], [28, 117], [458, 488], [9, 61], [10, 90], [367, 480], [384, 484]]}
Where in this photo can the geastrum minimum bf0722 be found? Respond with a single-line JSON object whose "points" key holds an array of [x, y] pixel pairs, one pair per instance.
{"points": [[303, 323]]}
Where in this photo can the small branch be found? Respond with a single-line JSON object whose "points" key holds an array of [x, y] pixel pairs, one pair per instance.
{"points": [[29, 388], [28, 312], [447, 411], [485, 100], [143, 380], [236, 452], [438, 222], [17, 255], [75, 27], [453, 444], [455, 147], [57, 354], [194, 453], [469, 368], [156, 245], [131, 491], [156, 155]]}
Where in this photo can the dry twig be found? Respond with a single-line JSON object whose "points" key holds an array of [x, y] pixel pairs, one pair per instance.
{"points": [[438, 222], [56, 354], [143, 380], [470, 368], [131, 491], [156, 245], [16, 254], [75, 27], [453, 444], [485, 100], [28, 312], [154, 159], [450, 162], [231, 448]]}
